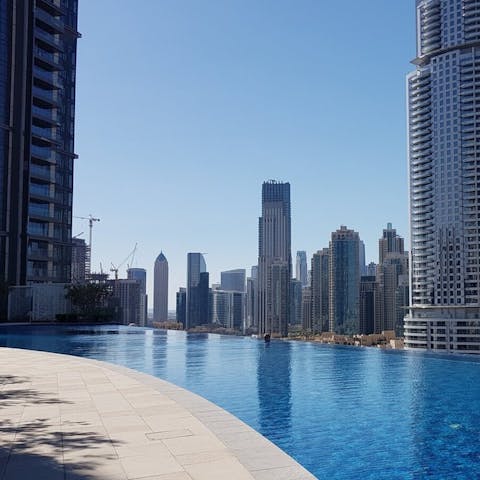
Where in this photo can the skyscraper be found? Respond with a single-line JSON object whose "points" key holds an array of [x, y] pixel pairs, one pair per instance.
{"points": [[301, 267], [38, 43], [344, 282], [233, 280], [251, 300], [368, 303], [444, 189], [79, 260], [361, 258], [392, 266], [197, 310], [389, 243], [228, 308], [181, 305], [160, 289], [295, 302], [320, 290], [274, 259], [140, 275]]}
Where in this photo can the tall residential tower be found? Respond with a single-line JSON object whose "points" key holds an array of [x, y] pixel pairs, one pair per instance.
{"points": [[38, 44], [274, 259], [444, 141], [344, 282]]}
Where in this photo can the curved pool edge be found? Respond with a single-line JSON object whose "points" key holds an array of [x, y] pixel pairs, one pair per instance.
{"points": [[236, 450]]}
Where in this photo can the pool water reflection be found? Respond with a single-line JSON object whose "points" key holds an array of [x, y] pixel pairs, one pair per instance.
{"points": [[342, 412]]}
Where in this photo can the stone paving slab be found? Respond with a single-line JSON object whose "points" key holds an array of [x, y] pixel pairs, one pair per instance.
{"points": [[71, 418]]}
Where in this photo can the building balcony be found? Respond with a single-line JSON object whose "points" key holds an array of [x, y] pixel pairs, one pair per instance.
{"points": [[46, 115], [52, 60], [43, 153], [50, 20], [50, 39], [50, 78], [44, 133], [50, 96]]}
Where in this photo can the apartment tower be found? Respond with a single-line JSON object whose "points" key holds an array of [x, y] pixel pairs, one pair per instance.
{"points": [[274, 259], [38, 44], [444, 141], [344, 282]]}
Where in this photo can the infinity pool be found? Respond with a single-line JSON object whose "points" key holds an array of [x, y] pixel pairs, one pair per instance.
{"points": [[344, 413]]}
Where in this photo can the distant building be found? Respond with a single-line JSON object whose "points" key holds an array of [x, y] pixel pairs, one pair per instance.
{"points": [[233, 280], [389, 243], [371, 270], [127, 300], [278, 303], [361, 257], [393, 264], [160, 289], [320, 290], [301, 268], [344, 282], [295, 302], [228, 309], [140, 275], [368, 304], [181, 311], [197, 291], [307, 309], [79, 260], [274, 259], [251, 300]]}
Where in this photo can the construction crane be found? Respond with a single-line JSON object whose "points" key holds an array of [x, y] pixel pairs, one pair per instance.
{"points": [[131, 255], [90, 219]]}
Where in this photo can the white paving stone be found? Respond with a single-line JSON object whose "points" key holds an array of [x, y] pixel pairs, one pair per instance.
{"points": [[69, 418]]}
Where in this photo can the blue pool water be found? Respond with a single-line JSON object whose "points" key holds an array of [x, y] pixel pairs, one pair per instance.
{"points": [[344, 413]]}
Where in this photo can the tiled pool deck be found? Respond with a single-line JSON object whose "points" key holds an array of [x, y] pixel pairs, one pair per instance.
{"points": [[65, 417]]}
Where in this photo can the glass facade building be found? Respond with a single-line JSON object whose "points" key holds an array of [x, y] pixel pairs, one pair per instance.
{"points": [[197, 308], [344, 282], [274, 259], [444, 161], [38, 44]]}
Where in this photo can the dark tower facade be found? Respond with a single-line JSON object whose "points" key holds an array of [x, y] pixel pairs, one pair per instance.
{"points": [[38, 45], [274, 259]]}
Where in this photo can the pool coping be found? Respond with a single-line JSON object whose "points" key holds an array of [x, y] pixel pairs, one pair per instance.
{"points": [[256, 454]]}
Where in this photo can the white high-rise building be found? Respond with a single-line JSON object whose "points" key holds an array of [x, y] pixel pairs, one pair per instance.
{"points": [[444, 160], [160, 289]]}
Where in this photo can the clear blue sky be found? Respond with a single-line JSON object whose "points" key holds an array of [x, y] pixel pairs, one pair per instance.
{"points": [[185, 107]]}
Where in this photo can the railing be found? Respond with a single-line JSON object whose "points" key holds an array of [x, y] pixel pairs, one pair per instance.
{"points": [[51, 95], [38, 171], [44, 132], [51, 57], [51, 77], [45, 153], [45, 113]]}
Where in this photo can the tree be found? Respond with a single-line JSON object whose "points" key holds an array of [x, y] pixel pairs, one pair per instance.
{"points": [[88, 299]]}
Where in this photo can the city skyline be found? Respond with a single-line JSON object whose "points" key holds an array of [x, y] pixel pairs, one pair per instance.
{"points": [[197, 115]]}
